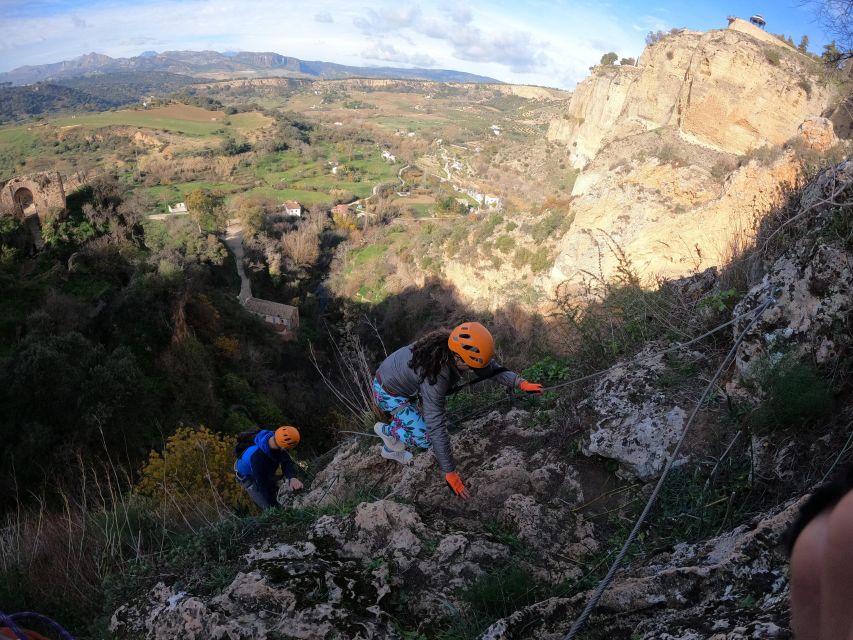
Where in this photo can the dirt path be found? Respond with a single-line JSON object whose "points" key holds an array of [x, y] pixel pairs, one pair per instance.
{"points": [[234, 241]]}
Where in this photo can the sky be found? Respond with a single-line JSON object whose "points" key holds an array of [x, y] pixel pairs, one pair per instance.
{"points": [[548, 43]]}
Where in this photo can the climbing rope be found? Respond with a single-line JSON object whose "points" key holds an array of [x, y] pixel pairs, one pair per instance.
{"points": [[10, 621], [605, 582], [590, 376]]}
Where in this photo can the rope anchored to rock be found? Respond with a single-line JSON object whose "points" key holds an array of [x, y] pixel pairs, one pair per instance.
{"points": [[605, 582]]}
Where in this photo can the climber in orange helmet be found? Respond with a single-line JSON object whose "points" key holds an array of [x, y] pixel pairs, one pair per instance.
{"points": [[256, 468], [429, 369]]}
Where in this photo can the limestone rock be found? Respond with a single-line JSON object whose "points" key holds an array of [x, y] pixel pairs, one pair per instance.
{"points": [[291, 590], [637, 422], [813, 279], [734, 585], [818, 133], [720, 88]]}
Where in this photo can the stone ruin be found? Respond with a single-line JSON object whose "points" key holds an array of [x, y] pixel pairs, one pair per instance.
{"points": [[33, 199]]}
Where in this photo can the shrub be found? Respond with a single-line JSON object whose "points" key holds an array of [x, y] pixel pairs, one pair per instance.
{"points": [[505, 244], [794, 394], [195, 468], [540, 261], [772, 56], [806, 86], [721, 169]]}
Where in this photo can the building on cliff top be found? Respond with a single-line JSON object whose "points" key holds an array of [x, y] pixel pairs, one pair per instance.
{"points": [[757, 32]]}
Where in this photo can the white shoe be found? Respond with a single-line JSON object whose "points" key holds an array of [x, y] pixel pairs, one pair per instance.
{"points": [[390, 441], [403, 457]]}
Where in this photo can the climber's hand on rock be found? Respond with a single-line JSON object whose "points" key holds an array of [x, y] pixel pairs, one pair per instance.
{"points": [[530, 387], [455, 483], [296, 484]]}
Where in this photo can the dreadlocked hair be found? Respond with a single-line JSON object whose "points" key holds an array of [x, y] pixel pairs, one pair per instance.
{"points": [[430, 355]]}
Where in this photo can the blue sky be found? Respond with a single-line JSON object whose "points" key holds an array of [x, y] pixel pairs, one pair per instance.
{"points": [[551, 43]]}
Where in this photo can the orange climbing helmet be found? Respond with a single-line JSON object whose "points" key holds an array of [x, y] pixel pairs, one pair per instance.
{"points": [[287, 437], [473, 343]]}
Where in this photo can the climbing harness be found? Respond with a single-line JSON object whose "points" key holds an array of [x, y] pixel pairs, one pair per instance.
{"points": [[605, 582], [10, 621]]}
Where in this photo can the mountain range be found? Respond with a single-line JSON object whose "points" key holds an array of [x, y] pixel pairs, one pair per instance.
{"points": [[213, 64]]}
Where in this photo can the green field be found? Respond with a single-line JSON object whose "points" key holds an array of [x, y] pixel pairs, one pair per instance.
{"points": [[304, 197], [179, 118], [139, 119], [171, 193]]}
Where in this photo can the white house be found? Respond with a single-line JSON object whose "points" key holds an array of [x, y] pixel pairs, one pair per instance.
{"points": [[178, 207], [293, 208], [284, 318], [390, 157], [493, 202]]}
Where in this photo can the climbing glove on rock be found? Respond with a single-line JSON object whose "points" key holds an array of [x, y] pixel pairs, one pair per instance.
{"points": [[455, 483]]}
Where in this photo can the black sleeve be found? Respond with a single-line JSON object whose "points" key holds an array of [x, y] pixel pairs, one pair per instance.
{"points": [[287, 465]]}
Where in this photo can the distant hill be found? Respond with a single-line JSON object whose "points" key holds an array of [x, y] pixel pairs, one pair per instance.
{"points": [[47, 98], [212, 64]]}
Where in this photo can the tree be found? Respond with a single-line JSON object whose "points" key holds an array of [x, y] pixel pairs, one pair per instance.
{"points": [[831, 54], [836, 16], [628, 62], [655, 36], [609, 58], [205, 209], [252, 218], [804, 45]]}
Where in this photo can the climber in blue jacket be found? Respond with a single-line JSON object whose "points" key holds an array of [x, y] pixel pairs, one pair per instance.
{"points": [[256, 468]]}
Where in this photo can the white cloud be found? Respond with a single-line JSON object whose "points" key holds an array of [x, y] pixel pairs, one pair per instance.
{"points": [[389, 53], [324, 16]]}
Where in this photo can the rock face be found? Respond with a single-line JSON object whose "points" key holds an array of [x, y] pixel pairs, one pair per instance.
{"points": [[731, 587], [669, 219], [292, 591], [812, 277], [637, 418], [724, 88]]}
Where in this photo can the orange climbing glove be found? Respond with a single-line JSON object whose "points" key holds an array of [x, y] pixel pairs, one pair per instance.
{"points": [[455, 483], [530, 387]]}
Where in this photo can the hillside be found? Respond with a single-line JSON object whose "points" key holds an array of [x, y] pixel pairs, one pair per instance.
{"points": [[381, 551], [212, 64], [667, 249]]}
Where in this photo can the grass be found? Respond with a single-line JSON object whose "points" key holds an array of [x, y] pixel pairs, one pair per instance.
{"points": [[191, 121], [373, 252], [305, 197], [170, 193]]}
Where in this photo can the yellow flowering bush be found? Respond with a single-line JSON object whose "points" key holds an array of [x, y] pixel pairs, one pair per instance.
{"points": [[195, 469]]}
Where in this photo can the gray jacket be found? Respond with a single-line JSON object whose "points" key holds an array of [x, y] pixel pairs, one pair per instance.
{"points": [[398, 378]]}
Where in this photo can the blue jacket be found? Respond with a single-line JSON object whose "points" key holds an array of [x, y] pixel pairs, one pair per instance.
{"points": [[260, 463]]}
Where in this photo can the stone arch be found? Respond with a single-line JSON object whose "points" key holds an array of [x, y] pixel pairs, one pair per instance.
{"points": [[24, 201]]}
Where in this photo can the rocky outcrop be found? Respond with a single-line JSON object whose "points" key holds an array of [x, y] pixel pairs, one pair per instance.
{"points": [[724, 89], [669, 219], [810, 272], [640, 408], [731, 587], [293, 591]]}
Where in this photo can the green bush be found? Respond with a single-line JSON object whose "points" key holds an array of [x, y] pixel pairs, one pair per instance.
{"points": [[505, 244], [794, 395], [772, 55]]}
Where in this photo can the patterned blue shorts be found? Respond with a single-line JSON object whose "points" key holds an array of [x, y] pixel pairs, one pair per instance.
{"points": [[407, 424]]}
